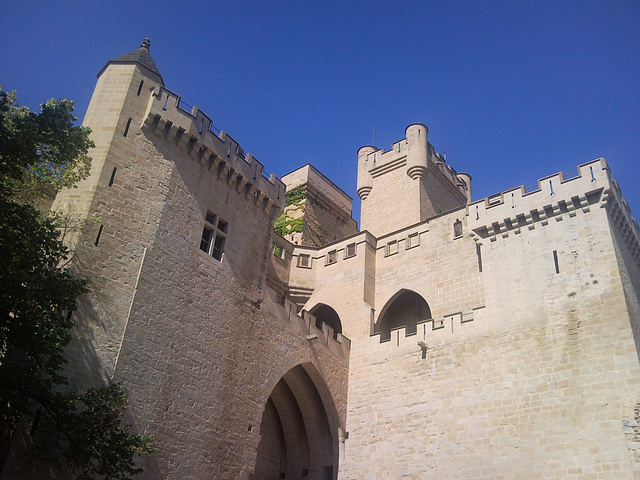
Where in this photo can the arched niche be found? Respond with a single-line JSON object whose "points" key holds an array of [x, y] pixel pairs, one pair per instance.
{"points": [[405, 309], [324, 313], [298, 431]]}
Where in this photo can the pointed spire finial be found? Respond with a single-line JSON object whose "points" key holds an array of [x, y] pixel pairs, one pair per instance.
{"points": [[146, 43]]}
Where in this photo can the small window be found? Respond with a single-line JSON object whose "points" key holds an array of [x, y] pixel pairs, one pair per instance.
{"points": [[392, 247], [350, 250], [304, 261], [113, 176], [278, 251], [413, 240], [332, 257], [214, 236], [140, 87], [126, 128]]}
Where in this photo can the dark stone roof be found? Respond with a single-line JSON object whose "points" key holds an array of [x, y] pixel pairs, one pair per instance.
{"points": [[141, 56]]}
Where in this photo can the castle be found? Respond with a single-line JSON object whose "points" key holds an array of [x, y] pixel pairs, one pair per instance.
{"points": [[449, 338]]}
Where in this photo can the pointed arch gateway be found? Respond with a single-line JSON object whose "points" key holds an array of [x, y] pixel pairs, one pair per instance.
{"points": [[326, 314], [404, 309], [298, 431]]}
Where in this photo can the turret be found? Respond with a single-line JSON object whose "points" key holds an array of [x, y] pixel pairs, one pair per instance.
{"points": [[464, 185], [365, 181], [408, 184], [417, 150]]}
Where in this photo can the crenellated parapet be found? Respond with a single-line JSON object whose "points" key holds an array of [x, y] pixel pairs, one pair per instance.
{"points": [[620, 214], [408, 184], [414, 153], [193, 132], [510, 212]]}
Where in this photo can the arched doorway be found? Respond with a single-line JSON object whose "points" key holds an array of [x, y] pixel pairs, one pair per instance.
{"points": [[325, 314], [405, 309], [296, 439]]}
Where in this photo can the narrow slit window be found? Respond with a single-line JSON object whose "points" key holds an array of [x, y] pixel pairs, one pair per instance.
{"points": [[555, 261], [140, 87], [479, 254], [126, 129], [97, 242], [113, 176]]}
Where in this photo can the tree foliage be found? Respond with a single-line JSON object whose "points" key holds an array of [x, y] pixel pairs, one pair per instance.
{"points": [[77, 432]]}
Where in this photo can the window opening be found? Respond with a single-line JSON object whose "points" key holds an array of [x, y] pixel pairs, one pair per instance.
{"points": [[99, 235], [332, 257], [555, 261], [304, 261], [479, 254], [113, 176], [392, 247], [278, 251], [126, 129], [350, 250], [413, 240], [214, 235], [140, 87]]}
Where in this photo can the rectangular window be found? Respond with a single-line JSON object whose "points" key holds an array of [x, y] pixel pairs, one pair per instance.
{"points": [[214, 236], [350, 250], [392, 247], [332, 257], [140, 87], [413, 240], [304, 261], [278, 251]]}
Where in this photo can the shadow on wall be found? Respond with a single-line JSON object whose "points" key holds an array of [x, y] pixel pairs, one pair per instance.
{"points": [[405, 309]]}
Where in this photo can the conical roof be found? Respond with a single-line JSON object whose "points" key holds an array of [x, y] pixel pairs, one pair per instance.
{"points": [[141, 56]]}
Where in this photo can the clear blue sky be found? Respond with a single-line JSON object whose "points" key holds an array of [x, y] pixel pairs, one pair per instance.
{"points": [[512, 91]]}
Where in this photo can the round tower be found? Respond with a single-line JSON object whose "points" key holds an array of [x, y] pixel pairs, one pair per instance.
{"points": [[417, 155], [365, 181], [465, 185]]}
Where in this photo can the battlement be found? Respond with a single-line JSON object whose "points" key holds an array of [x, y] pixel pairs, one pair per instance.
{"points": [[433, 332], [510, 211], [414, 151], [191, 130], [414, 176], [305, 324]]}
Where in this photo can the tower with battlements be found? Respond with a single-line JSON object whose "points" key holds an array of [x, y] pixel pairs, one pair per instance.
{"points": [[447, 338]]}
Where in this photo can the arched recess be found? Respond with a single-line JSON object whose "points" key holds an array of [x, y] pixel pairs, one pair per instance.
{"points": [[405, 309], [297, 435], [324, 313]]}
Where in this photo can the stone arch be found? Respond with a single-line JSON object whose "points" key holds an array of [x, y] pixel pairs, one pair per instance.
{"points": [[325, 313], [405, 308], [298, 430]]}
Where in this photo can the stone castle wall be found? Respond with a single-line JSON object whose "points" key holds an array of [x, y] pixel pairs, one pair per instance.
{"points": [[524, 365]]}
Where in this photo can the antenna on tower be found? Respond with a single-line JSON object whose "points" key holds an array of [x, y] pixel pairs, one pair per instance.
{"points": [[374, 135]]}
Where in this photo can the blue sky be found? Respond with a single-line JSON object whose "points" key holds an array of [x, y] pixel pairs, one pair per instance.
{"points": [[512, 91]]}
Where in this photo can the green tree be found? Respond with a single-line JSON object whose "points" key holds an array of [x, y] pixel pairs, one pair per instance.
{"points": [[77, 432]]}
